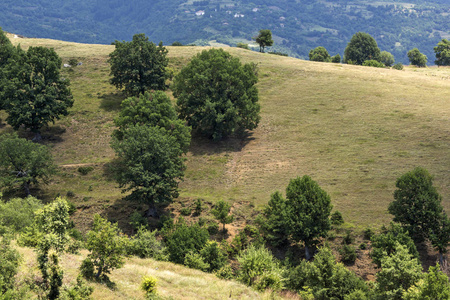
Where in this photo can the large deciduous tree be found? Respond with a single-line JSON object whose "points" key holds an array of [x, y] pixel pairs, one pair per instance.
{"points": [[217, 94], [416, 58], [23, 162], [138, 66], [264, 39], [150, 164], [319, 54], [442, 51], [417, 204], [34, 93], [361, 47]]}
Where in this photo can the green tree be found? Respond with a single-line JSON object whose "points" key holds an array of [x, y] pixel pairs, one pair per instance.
{"points": [[7, 51], [336, 59], [152, 109], [309, 207], [440, 236], [264, 39], [361, 47], [416, 58], [107, 246], [213, 255], [138, 66], [23, 162], [435, 285], [150, 165], [319, 54], [217, 94], [10, 260], [221, 211], [18, 213], [399, 272], [34, 93], [274, 222], [442, 51], [387, 58], [417, 204]]}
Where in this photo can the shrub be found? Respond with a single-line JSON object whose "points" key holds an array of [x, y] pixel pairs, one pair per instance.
{"points": [[226, 272], [30, 237], [398, 66], [185, 211], [73, 62], [148, 285], [72, 208], [194, 260], [176, 43], [213, 228], [387, 58], [348, 254], [70, 194], [336, 218], [18, 213], [9, 262], [213, 255], [145, 244], [368, 234], [243, 46], [336, 59], [363, 246], [137, 220], [373, 63], [80, 291], [278, 53], [348, 238], [87, 268], [85, 170], [198, 207]]}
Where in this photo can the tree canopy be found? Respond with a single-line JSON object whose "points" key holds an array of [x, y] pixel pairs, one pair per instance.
{"points": [[217, 95], [23, 162], [416, 58], [361, 47], [319, 54], [387, 58], [34, 93], [138, 66], [442, 51], [264, 39]]}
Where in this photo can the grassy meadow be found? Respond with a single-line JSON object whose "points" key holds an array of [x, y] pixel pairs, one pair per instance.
{"points": [[353, 129]]}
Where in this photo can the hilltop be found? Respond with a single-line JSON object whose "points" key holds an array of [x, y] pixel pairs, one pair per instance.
{"points": [[298, 26], [353, 129]]}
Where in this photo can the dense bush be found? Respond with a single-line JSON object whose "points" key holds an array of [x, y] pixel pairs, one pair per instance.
{"points": [[18, 213], [373, 63], [9, 262], [85, 170], [398, 66], [145, 244], [194, 260], [213, 255], [336, 218], [348, 254]]}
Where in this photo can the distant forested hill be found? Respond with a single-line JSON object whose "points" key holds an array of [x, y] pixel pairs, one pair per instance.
{"points": [[298, 25]]}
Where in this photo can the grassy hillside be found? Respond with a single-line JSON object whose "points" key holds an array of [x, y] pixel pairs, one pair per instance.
{"points": [[353, 129]]}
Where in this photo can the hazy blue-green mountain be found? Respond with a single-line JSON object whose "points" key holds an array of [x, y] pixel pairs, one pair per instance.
{"points": [[298, 25]]}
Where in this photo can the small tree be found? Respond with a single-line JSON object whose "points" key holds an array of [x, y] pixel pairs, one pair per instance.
{"points": [[150, 165], [34, 93], [319, 54], [221, 212], [416, 58], [108, 246], [387, 58], [435, 285], [417, 204], [361, 47], [440, 236], [217, 94], [23, 162], [10, 260], [264, 39], [310, 208], [138, 66], [442, 51], [275, 220], [398, 273], [336, 59]]}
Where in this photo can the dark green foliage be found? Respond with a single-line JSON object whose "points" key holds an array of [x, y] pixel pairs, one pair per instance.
{"points": [[177, 44], [319, 54], [213, 228], [327, 278], [373, 63], [194, 260], [155, 110], [184, 239], [417, 204], [336, 59], [145, 244], [87, 269], [34, 93], [442, 51], [150, 164], [185, 211], [398, 66], [213, 255], [348, 254], [363, 246], [416, 58], [23, 162], [361, 47], [217, 95], [198, 207], [85, 170], [348, 238], [387, 58], [275, 223], [399, 272], [243, 46], [107, 246], [368, 233], [440, 236], [384, 243], [309, 209], [10, 260], [138, 66], [264, 39], [18, 213], [278, 53], [226, 272], [336, 218], [6, 49], [137, 220], [221, 211]]}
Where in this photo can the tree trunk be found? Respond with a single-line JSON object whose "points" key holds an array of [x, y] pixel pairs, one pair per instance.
{"points": [[441, 259], [152, 211], [100, 269], [37, 137], [307, 254], [26, 187]]}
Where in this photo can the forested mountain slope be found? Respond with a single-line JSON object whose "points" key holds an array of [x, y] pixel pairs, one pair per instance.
{"points": [[298, 25]]}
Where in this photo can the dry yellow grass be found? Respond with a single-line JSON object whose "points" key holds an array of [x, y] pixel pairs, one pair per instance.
{"points": [[353, 129]]}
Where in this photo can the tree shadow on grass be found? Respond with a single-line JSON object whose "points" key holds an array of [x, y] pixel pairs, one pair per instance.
{"points": [[111, 101], [201, 145]]}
